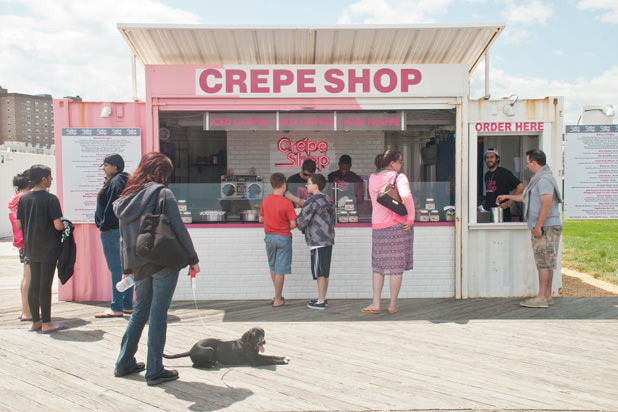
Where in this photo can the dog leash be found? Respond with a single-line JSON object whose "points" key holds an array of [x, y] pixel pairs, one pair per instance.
{"points": [[194, 290], [197, 309]]}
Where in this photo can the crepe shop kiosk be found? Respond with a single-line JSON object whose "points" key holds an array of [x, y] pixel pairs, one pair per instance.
{"points": [[231, 106]]}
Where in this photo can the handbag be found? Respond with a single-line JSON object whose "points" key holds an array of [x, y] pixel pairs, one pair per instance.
{"points": [[157, 242], [390, 199]]}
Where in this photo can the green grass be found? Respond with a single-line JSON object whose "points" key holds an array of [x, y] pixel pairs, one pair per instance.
{"points": [[591, 246]]}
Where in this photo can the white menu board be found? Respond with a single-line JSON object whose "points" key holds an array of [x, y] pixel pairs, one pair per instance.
{"points": [[591, 172], [83, 151]]}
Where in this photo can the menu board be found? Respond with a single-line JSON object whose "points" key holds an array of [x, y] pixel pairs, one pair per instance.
{"points": [[304, 121], [591, 172], [83, 151]]}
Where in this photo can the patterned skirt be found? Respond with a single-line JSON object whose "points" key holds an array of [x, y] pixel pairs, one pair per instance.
{"points": [[391, 250]]}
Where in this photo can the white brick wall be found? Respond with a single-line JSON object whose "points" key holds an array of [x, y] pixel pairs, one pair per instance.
{"points": [[234, 266], [259, 150]]}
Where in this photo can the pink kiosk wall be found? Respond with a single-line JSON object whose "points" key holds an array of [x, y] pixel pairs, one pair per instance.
{"points": [[91, 280], [168, 87]]}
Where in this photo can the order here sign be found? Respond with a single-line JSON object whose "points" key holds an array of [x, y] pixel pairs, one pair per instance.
{"points": [[332, 81]]}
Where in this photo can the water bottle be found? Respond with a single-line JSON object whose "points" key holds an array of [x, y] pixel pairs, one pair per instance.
{"points": [[125, 284]]}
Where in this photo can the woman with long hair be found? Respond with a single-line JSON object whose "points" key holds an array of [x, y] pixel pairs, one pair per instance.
{"points": [[146, 192], [392, 234], [21, 183], [107, 222]]}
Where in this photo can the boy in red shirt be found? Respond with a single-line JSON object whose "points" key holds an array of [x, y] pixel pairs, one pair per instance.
{"points": [[279, 219]]}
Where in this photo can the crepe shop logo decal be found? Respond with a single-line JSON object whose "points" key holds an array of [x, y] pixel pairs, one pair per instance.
{"points": [[303, 149]]}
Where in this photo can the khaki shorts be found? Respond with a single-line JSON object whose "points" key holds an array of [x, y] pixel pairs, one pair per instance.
{"points": [[546, 247]]}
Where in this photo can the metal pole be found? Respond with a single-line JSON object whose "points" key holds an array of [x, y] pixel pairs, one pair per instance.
{"points": [[133, 77]]}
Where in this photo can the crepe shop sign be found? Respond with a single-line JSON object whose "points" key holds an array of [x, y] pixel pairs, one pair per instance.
{"points": [[300, 150], [331, 81]]}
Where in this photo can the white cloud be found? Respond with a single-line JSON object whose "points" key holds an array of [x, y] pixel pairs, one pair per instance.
{"points": [[70, 47], [558, 52], [581, 91], [394, 11], [530, 12], [610, 7], [514, 36]]}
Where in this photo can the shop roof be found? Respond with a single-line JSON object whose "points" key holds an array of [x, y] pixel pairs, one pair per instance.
{"points": [[341, 44]]}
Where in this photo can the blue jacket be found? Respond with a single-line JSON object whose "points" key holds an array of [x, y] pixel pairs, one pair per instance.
{"points": [[104, 216]]}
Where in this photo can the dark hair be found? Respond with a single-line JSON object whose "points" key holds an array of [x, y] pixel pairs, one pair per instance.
{"points": [[309, 165], [38, 172], [114, 159], [154, 167], [345, 159], [385, 159], [536, 155], [319, 180], [21, 182], [277, 180]]}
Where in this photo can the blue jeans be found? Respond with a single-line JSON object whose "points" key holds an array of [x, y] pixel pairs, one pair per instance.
{"points": [[153, 297], [111, 249]]}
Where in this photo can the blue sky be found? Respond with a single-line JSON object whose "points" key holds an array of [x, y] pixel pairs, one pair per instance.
{"points": [[66, 47]]}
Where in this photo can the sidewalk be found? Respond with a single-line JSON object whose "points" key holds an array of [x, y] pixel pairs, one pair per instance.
{"points": [[438, 354]]}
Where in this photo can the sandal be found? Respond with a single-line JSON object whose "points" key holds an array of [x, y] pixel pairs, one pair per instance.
{"points": [[108, 314], [128, 311], [283, 303], [368, 309]]}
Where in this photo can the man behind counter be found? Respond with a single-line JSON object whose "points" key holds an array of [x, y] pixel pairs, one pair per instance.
{"points": [[499, 181], [345, 175], [297, 191]]}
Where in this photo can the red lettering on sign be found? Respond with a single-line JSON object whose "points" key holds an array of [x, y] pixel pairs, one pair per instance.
{"points": [[257, 79], [363, 80], [304, 81], [409, 77], [204, 80], [282, 77], [392, 80], [235, 78], [336, 85]]}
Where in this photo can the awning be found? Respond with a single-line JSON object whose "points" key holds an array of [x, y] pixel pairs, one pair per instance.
{"points": [[341, 44]]}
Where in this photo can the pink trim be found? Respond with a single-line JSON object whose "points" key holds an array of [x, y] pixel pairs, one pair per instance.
{"points": [[254, 225], [179, 103]]}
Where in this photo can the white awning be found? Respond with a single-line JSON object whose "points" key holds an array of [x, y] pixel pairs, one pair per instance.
{"points": [[341, 44]]}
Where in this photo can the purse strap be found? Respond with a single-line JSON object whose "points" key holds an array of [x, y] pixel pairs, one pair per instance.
{"points": [[161, 193]]}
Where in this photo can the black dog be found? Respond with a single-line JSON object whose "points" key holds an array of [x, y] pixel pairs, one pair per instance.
{"points": [[207, 352]]}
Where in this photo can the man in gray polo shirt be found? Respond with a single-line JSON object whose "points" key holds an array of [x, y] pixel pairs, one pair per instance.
{"points": [[541, 202]]}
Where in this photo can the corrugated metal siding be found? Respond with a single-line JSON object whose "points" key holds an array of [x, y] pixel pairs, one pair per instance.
{"points": [[319, 45]]}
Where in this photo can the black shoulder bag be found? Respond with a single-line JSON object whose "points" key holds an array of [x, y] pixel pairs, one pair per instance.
{"points": [[389, 198], [157, 242]]}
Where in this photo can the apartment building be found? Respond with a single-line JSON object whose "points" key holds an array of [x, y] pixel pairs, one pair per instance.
{"points": [[26, 118]]}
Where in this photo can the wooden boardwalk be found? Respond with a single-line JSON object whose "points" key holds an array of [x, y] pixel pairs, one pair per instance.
{"points": [[435, 354]]}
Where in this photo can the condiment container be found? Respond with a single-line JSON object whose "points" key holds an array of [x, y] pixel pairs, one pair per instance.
{"points": [[186, 217], [343, 217], [349, 205], [423, 215], [449, 213], [353, 217], [434, 216], [430, 204]]}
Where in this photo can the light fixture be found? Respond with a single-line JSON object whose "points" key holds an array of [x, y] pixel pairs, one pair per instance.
{"points": [[106, 111], [508, 108], [608, 110]]}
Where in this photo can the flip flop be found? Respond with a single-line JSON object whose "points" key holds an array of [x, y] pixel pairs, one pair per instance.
{"points": [[128, 311], [368, 309], [273, 300], [285, 303], [56, 329], [107, 314], [35, 330], [25, 319]]}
